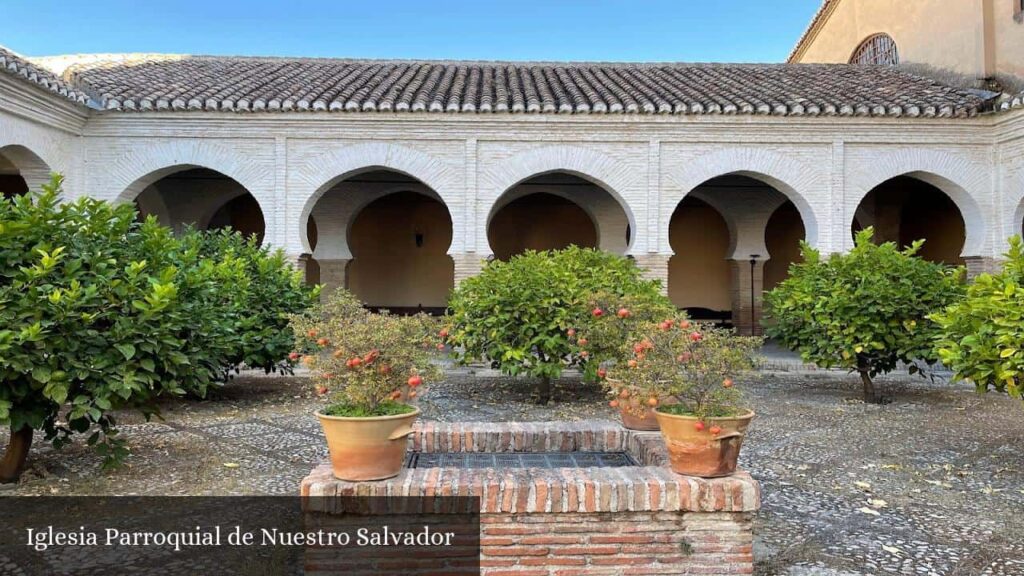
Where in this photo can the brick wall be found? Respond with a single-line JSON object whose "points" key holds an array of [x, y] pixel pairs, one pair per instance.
{"points": [[623, 543], [562, 521], [982, 265], [655, 267]]}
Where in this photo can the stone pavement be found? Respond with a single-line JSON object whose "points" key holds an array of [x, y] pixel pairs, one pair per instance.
{"points": [[932, 483]]}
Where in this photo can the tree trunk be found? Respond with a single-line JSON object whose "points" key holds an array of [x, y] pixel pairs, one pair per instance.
{"points": [[870, 395], [544, 391], [864, 367], [13, 463]]}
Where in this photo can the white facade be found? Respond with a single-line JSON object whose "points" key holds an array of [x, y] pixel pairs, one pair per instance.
{"points": [[646, 163]]}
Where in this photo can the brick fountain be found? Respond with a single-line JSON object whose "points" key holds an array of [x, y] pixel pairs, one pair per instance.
{"points": [[570, 498]]}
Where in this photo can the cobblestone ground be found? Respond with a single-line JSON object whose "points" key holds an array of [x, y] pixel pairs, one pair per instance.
{"points": [[932, 483]]}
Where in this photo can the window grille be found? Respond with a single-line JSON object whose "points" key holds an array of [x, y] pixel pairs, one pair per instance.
{"points": [[877, 49]]}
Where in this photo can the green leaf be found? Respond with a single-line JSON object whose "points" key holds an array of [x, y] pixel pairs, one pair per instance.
{"points": [[128, 350], [56, 391], [42, 374]]}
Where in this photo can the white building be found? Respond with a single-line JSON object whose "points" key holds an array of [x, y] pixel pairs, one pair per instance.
{"points": [[399, 178]]}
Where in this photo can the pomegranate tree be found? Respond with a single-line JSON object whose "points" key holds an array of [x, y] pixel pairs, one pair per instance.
{"points": [[607, 338], [686, 371], [364, 363]]}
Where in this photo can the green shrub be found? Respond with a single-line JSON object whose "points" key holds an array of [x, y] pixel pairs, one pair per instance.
{"points": [[866, 310], [99, 312], [515, 315], [981, 337], [270, 292]]}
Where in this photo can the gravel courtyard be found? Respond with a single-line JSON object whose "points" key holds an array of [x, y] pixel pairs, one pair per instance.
{"points": [[932, 483]]}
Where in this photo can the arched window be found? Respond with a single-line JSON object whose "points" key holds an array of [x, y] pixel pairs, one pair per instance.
{"points": [[877, 49]]}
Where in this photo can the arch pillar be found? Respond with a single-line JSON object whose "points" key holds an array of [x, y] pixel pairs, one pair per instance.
{"points": [[333, 275], [654, 266], [978, 265], [298, 261], [746, 207], [467, 265]]}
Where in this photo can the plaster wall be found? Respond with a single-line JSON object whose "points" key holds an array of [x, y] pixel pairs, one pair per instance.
{"points": [[978, 39]]}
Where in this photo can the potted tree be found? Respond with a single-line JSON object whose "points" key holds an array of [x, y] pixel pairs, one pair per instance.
{"points": [[686, 373], [371, 368], [604, 339]]}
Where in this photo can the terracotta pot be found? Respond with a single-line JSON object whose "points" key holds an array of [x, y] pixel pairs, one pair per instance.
{"points": [[371, 448], [647, 423], [699, 452]]}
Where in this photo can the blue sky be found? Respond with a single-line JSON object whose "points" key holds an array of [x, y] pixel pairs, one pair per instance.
{"points": [[658, 30]]}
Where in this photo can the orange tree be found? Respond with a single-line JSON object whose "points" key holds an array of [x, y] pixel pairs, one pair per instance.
{"points": [[99, 312], [866, 310], [369, 364], [268, 292], [516, 315], [981, 338]]}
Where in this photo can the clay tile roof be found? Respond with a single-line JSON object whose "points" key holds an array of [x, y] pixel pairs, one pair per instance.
{"points": [[20, 67], [243, 84], [1013, 103]]}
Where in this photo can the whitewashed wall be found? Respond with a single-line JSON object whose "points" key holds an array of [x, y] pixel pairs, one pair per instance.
{"points": [[646, 163]]}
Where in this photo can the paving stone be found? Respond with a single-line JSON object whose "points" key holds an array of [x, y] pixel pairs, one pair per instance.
{"points": [[953, 495]]}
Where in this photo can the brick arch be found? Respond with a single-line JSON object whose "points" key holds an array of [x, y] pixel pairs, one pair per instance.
{"points": [[335, 216], [47, 153], [321, 172], [604, 211], [146, 164], [610, 174], [1016, 213], [960, 179], [790, 176], [746, 234], [31, 166]]}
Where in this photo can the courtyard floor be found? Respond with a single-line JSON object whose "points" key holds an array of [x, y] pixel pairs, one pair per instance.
{"points": [[932, 483]]}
